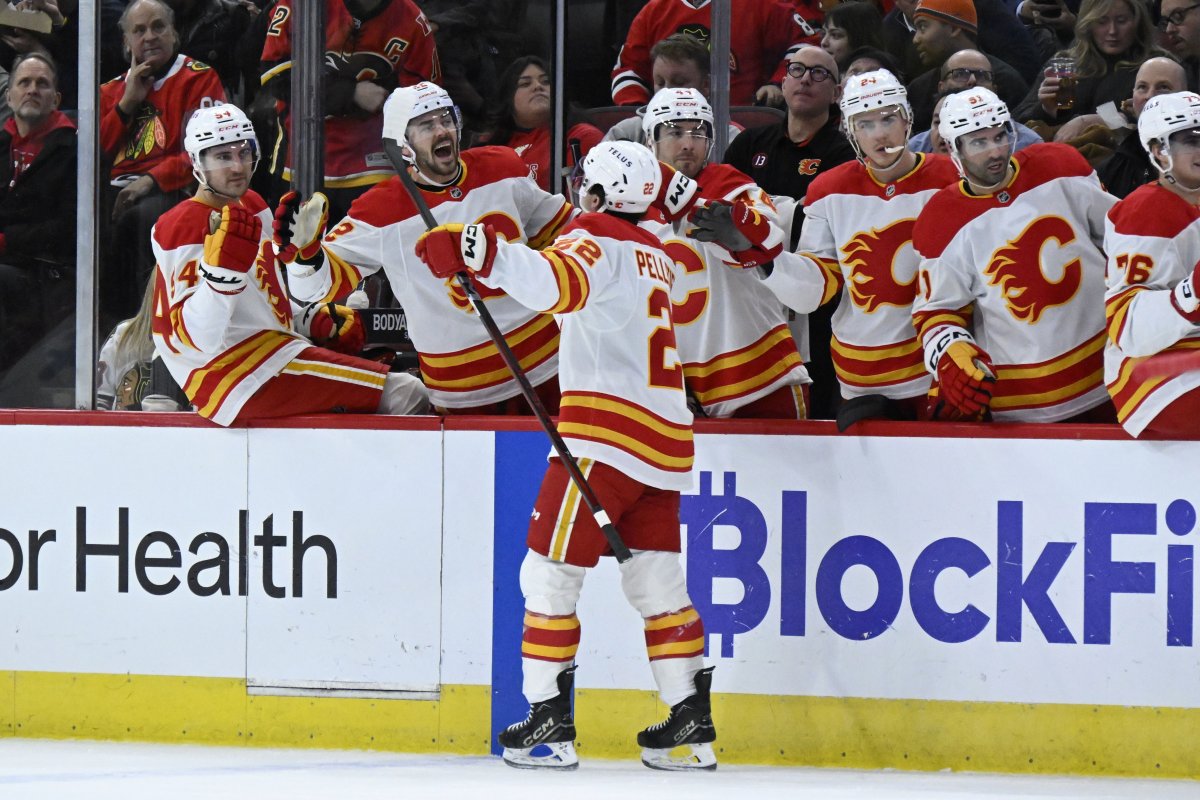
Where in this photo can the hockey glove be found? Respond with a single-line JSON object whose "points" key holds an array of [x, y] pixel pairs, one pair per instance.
{"points": [[334, 327], [449, 249], [1184, 299], [677, 193], [230, 248], [964, 372], [739, 228], [299, 227]]}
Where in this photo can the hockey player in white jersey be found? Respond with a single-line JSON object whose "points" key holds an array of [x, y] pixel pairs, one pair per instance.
{"points": [[856, 245], [222, 320], [739, 358], [1152, 237], [490, 186], [625, 416], [1010, 311]]}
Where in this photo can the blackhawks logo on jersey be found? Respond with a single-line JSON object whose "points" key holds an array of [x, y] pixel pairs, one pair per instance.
{"points": [[1017, 268], [149, 135], [870, 257]]}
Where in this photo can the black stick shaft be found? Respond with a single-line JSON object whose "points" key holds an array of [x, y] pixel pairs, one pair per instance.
{"points": [[620, 550]]}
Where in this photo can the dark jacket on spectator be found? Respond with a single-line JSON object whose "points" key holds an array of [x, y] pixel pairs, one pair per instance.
{"points": [[922, 90], [214, 33], [1127, 168], [1115, 85], [37, 210]]}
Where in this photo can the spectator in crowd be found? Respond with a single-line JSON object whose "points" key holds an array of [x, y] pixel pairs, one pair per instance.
{"points": [[214, 31], [142, 119], [1112, 39], [1180, 25], [870, 59], [1129, 166], [372, 46], [965, 69], [739, 358], [679, 61], [223, 322], [1150, 361], [61, 43], [999, 34], [849, 26], [763, 33], [1051, 24], [1011, 324], [784, 159], [521, 120], [37, 208], [945, 27]]}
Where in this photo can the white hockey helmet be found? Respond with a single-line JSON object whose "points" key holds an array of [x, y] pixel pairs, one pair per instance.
{"points": [[627, 173], [1164, 115], [870, 91], [409, 102], [216, 125], [671, 105], [971, 110]]}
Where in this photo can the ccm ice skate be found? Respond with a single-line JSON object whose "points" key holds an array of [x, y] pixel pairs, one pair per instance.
{"points": [[689, 724], [550, 724]]}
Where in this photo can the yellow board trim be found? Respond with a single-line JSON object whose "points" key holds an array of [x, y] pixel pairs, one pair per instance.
{"points": [[816, 731]]}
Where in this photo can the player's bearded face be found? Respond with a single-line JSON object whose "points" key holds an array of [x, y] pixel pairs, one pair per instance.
{"points": [[683, 144], [433, 137], [985, 154], [228, 167]]}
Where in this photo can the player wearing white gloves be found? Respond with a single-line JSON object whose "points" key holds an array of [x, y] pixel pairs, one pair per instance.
{"points": [[1011, 281], [1152, 239], [625, 416], [223, 322]]}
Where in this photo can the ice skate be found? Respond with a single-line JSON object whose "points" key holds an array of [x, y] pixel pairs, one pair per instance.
{"points": [[550, 727], [689, 725]]}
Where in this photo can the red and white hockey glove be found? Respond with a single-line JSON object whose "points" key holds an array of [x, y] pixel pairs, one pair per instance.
{"points": [[739, 228], [1184, 297], [964, 372], [450, 249], [335, 327], [677, 193], [230, 248], [299, 227]]}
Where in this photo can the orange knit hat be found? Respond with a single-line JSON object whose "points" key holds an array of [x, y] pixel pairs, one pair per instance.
{"points": [[959, 13]]}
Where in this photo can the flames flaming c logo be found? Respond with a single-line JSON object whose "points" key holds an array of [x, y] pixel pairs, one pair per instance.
{"points": [[1017, 269], [870, 258]]}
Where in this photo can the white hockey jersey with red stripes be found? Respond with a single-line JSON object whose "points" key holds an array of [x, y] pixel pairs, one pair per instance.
{"points": [[856, 243], [623, 402], [460, 365], [1152, 239], [1022, 269], [732, 332], [220, 348]]}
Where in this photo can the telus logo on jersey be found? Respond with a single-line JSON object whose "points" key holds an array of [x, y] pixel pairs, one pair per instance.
{"points": [[159, 565], [1006, 577]]}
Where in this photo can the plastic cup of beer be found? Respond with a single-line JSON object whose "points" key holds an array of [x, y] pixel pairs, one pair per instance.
{"points": [[1063, 68]]}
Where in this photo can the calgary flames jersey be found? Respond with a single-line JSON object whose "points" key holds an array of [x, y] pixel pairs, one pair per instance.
{"points": [[1152, 238], [393, 47], [764, 33], [460, 365], [151, 141], [1022, 268], [623, 402], [221, 348], [856, 243], [732, 332]]}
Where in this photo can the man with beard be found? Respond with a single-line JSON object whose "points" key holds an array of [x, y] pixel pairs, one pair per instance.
{"points": [[486, 185], [1011, 279], [1180, 24]]}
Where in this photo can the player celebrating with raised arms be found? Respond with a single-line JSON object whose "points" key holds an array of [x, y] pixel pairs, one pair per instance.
{"points": [[223, 322], [739, 359], [625, 415], [1153, 243], [1010, 311]]}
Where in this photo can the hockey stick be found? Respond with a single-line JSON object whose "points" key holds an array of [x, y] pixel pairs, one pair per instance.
{"points": [[1165, 365], [620, 550]]}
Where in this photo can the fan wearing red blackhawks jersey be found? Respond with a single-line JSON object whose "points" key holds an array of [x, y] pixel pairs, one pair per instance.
{"points": [[856, 244], [739, 358], [763, 34], [625, 416], [223, 322], [1152, 360], [1010, 311], [489, 185]]}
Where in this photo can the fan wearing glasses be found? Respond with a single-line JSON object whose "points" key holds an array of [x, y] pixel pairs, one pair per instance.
{"points": [[1180, 23]]}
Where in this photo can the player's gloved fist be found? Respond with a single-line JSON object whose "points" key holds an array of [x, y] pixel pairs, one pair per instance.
{"points": [[965, 378], [338, 328], [230, 248], [299, 227], [1184, 297], [449, 249], [677, 193], [739, 228]]}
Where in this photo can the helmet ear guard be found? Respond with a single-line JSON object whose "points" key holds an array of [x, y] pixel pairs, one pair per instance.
{"points": [[1163, 116], [627, 173]]}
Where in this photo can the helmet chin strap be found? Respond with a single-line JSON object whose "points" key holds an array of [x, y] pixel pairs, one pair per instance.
{"points": [[1167, 172]]}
